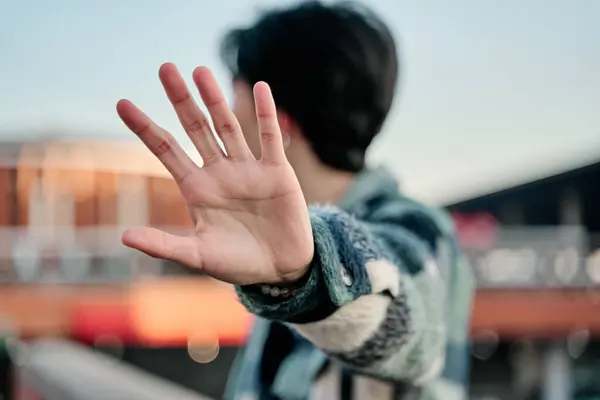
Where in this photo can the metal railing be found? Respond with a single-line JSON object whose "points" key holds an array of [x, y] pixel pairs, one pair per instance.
{"points": [[534, 257], [512, 257], [70, 255]]}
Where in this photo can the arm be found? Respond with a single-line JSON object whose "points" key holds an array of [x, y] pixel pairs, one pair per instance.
{"points": [[372, 300], [385, 321]]}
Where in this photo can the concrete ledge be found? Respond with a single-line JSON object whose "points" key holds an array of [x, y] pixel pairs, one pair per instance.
{"points": [[61, 370]]}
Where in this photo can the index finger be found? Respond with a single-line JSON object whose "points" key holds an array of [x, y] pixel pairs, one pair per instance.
{"points": [[158, 140]]}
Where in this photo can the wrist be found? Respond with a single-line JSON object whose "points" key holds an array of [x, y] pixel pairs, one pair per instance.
{"points": [[293, 278], [300, 275], [288, 286]]}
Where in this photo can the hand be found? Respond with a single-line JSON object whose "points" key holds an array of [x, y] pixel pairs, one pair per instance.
{"points": [[251, 219]]}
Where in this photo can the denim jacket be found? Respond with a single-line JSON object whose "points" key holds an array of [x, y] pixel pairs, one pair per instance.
{"points": [[388, 297]]}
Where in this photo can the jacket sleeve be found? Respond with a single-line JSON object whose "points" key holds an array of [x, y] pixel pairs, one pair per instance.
{"points": [[373, 298]]}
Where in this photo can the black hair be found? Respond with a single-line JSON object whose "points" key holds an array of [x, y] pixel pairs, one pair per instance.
{"points": [[332, 68]]}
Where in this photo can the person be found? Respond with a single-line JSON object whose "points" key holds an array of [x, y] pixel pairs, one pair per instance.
{"points": [[359, 291]]}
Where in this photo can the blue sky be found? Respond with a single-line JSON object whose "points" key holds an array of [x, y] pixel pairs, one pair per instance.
{"points": [[494, 91]]}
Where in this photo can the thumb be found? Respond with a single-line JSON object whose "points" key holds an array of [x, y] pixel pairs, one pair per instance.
{"points": [[160, 244]]}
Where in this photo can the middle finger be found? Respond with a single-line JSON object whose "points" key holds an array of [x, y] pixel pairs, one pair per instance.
{"points": [[192, 119], [225, 122]]}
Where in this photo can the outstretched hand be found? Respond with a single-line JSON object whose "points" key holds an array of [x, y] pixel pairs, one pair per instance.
{"points": [[251, 220]]}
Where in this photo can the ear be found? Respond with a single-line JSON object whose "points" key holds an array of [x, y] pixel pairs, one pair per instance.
{"points": [[286, 123], [288, 127]]}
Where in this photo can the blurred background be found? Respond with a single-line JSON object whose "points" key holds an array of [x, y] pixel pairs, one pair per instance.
{"points": [[498, 120]]}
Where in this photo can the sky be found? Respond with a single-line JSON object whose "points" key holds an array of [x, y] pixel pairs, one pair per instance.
{"points": [[494, 92]]}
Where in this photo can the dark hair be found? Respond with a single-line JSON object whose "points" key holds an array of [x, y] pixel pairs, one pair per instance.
{"points": [[332, 68]]}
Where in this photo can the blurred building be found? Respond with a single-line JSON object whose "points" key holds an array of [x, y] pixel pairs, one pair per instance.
{"points": [[64, 272], [535, 249]]}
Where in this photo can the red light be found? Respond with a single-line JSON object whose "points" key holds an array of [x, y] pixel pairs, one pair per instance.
{"points": [[475, 230]]}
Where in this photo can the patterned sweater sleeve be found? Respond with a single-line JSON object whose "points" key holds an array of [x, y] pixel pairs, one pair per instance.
{"points": [[373, 299]]}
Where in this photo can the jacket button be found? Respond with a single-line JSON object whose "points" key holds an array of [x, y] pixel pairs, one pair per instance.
{"points": [[346, 278]]}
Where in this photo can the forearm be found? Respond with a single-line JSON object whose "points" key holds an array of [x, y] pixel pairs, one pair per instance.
{"points": [[359, 303]]}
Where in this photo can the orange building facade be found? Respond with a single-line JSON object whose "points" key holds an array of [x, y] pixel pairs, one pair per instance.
{"points": [[63, 267], [64, 271], [66, 203]]}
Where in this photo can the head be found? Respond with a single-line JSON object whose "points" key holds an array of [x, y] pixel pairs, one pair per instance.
{"points": [[332, 70]]}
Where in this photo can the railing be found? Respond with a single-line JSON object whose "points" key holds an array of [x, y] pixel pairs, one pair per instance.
{"points": [[508, 257], [534, 257], [69, 255]]}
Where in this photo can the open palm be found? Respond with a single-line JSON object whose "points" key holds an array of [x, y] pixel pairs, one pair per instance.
{"points": [[251, 219]]}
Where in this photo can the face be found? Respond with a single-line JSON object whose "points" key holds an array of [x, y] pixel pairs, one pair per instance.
{"points": [[243, 108]]}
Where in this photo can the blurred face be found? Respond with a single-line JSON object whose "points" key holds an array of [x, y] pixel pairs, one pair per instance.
{"points": [[243, 108]]}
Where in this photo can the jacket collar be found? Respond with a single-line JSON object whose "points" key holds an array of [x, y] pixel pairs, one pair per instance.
{"points": [[368, 185]]}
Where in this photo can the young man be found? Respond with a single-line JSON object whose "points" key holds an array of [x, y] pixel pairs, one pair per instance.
{"points": [[364, 296]]}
